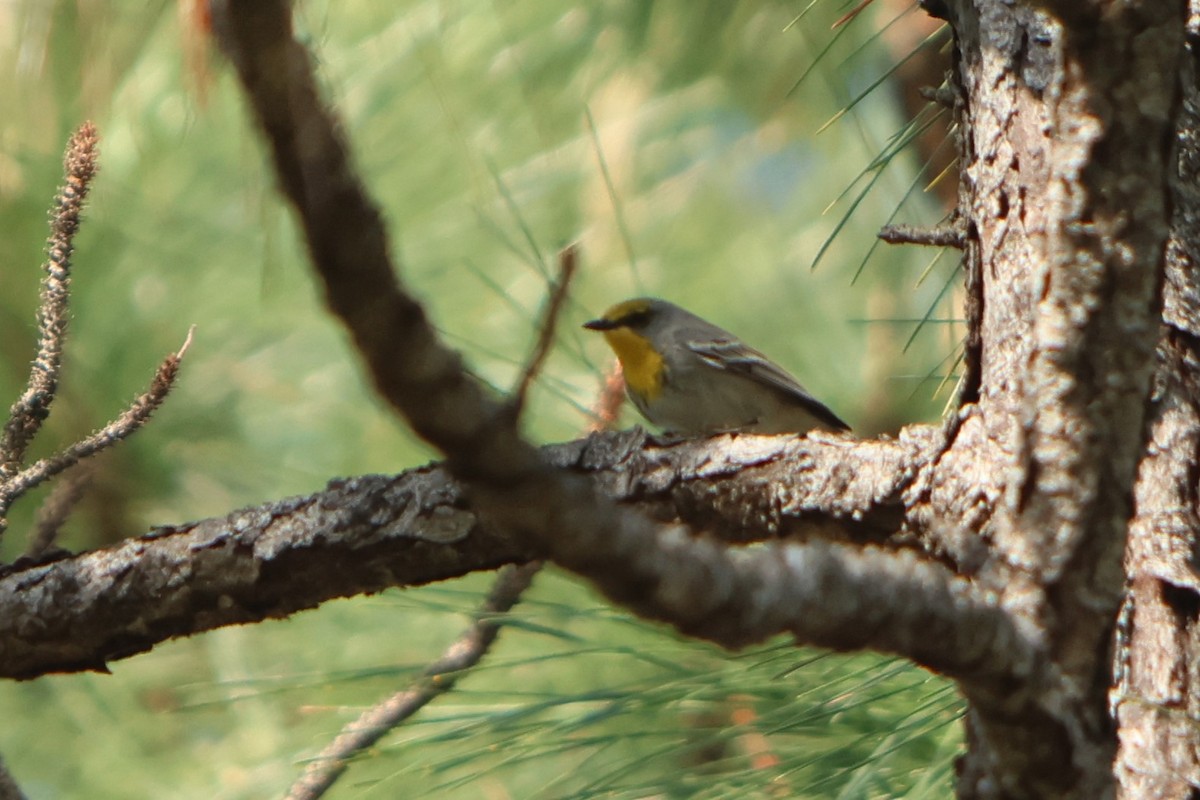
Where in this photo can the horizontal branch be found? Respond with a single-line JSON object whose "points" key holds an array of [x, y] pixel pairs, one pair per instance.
{"points": [[371, 533], [952, 233], [269, 561]]}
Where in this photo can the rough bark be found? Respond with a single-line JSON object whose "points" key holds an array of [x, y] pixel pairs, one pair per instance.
{"points": [[1156, 698], [1045, 537], [366, 534], [1067, 125], [704, 589]]}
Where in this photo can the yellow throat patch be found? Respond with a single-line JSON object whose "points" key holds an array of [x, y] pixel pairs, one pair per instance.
{"points": [[641, 363]]}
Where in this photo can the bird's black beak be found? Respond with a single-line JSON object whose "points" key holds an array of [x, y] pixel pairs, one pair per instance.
{"points": [[600, 325]]}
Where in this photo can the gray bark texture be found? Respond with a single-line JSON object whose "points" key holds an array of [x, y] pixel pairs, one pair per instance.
{"points": [[1076, 138], [1039, 547]]}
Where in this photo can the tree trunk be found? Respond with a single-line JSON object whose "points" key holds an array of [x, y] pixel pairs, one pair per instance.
{"points": [[1039, 549], [1070, 115]]}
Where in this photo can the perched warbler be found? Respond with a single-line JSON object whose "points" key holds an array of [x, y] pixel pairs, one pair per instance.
{"points": [[692, 378]]}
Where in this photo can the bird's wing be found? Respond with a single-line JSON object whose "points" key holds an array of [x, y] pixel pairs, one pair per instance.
{"points": [[736, 357]]}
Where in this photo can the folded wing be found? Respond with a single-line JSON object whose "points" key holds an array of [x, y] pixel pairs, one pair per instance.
{"points": [[734, 357]]}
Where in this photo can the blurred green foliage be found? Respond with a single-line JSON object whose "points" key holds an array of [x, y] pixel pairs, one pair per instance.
{"points": [[677, 142]]}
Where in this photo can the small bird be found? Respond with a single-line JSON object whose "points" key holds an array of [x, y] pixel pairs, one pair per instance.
{"points": [[692, 378]]}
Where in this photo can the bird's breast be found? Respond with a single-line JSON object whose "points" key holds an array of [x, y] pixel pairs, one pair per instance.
{"points": [[641, 363]]}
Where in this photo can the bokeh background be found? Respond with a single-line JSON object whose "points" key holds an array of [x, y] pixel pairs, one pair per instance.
{"points": [[734, 157]]}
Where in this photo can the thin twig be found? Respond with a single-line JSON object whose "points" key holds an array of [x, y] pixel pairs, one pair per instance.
{"points": [[439, 677], [943, 95], [57, 507], [567, 259], [951, 233], [120, 428], [30, 411]]}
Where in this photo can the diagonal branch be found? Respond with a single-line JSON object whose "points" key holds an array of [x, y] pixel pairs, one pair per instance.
{"points": [[120, 428], [54, 511], [893, 602], [31, 409], [657, 571], [439, 677], [567, 259]]}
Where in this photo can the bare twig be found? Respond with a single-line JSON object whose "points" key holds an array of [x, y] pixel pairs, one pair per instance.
{"points": [[943, 95], [567, 258], [30, 411], [32, 408], [120, 428], [439, 677], [57, 507], [951, 233]]}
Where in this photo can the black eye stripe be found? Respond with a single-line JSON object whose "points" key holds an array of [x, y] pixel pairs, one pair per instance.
{"points": [[635, 319]]}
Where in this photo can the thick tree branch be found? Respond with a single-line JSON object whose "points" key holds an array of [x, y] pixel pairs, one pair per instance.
{"points": [[559, 514], [894, 602], [371, 533], [80, 612]]}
